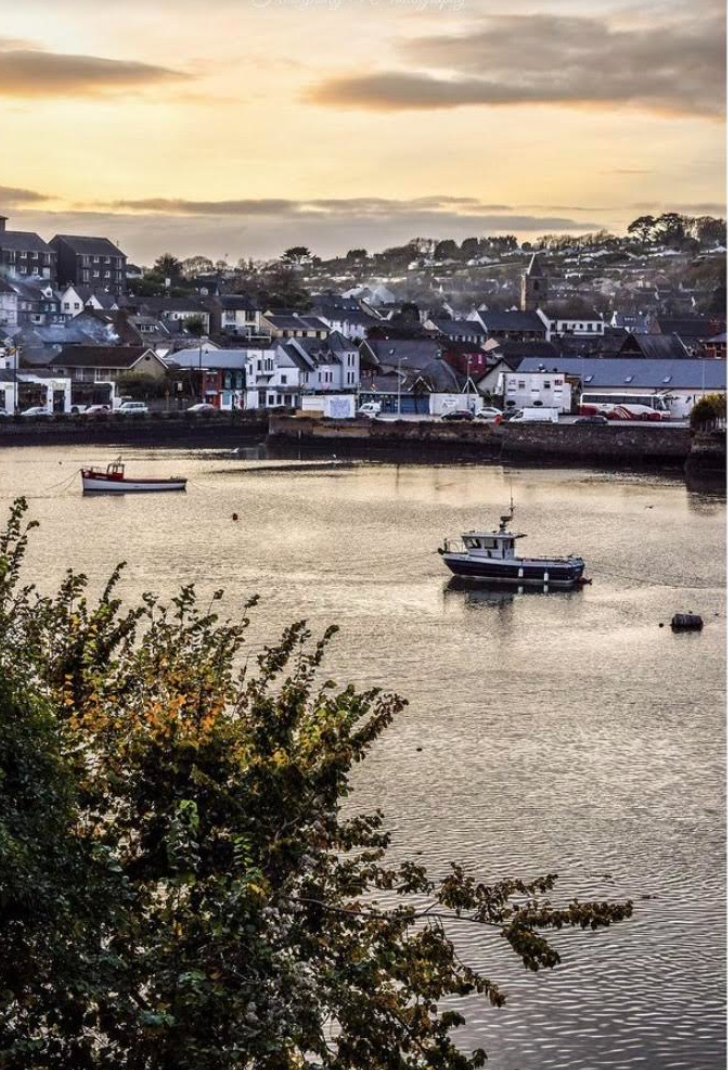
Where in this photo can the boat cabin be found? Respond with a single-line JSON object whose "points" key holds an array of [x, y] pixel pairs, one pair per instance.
{"points": [[493, 544]]}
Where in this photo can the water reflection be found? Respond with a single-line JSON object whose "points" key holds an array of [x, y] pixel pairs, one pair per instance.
{"points": [[475, 593], [562, 732]]}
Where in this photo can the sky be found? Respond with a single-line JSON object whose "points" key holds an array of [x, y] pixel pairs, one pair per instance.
{"points": [[237, 128]]}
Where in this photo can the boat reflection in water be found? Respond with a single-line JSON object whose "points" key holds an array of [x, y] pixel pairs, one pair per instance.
{"points": [[476, 594]]}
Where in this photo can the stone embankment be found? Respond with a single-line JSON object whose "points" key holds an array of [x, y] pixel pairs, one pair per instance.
{"points": [[156, 429], [627, 444]]}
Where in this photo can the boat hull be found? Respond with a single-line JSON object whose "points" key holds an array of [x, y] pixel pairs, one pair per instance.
{"points": [[562, 574], [98, 484]]}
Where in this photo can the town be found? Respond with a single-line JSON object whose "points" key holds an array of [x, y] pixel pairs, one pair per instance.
{"points": [[630, 327]]}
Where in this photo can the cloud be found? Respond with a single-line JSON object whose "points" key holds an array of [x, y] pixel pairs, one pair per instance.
{"points": [[10, 196], [29, 71], [675, 68], [316, 207], [328, 232]]}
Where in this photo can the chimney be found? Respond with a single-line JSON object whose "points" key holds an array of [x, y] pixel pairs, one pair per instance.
{"points": [[3, 221]]}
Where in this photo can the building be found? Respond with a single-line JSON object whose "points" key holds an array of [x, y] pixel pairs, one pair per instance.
{"points": [[24, 254], [220, 375], [682, 381], [519, 388], [89, 261], [235, 314], [693, 331], [294, 325], [175, 311], [534, 285], [561, 322], [105, 364], [513, 326], [20, 389], [470, 331], [654, 347]]}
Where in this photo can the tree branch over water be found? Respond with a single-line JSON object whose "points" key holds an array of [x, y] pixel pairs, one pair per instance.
{"points": [[181, 889]]}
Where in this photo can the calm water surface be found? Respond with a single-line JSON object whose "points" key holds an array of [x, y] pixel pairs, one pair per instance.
{"points": [[563, 733]]}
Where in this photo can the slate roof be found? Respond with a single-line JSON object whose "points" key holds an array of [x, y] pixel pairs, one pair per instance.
{"points": [[237, 302], [690, 327], [160, 305], [455, 328], [284, 322], [230, 359], [512, 321], [89, 246], [655, 346], [519, 350], [636, 374], [98, 356], [23, 241], [415, 351]]}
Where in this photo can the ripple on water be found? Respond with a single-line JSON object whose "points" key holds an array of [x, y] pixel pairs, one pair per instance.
{"points": [[563, 734]]}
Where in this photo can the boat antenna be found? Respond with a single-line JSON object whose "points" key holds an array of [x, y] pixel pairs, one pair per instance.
{"points": [[505, 520]]}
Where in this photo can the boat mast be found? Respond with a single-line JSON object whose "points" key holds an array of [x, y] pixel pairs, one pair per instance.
{"points": [[505, 520]]}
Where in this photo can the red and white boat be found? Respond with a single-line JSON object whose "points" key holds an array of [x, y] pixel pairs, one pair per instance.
{"points": [[115, 481]]}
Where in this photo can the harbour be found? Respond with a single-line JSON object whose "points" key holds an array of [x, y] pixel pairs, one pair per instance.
{"points": [[564, 732]]}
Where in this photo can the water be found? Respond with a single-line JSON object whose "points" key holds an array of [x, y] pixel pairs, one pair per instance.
{"points": [[564, 733]]}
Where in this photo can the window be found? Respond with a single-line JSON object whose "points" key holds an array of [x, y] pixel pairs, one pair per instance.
{"points": [[284, 380], [96, 274], [521, 384], [546, 384]]}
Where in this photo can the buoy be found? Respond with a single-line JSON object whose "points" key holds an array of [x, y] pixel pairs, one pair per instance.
{"points": [[686, 622], [662, 624], [235, 516]]}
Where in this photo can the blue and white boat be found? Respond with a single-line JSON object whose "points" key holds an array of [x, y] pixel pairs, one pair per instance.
{"points": [[491, 556]]}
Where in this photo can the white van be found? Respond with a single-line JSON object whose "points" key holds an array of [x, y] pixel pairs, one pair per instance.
{"points": [[370, 409], [536, 414]]}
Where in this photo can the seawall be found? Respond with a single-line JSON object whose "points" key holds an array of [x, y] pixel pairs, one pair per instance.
{"points": [[628, 444], [163, 429]]}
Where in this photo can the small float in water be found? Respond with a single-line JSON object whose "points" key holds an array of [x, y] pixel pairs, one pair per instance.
{"points": [[113, 480], [491, 556]]}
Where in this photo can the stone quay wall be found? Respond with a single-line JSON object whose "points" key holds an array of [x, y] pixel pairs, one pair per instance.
{"points": [[628, 443]]}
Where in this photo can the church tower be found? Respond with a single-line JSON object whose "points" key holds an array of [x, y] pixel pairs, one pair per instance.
{"points": [[534, 286]]}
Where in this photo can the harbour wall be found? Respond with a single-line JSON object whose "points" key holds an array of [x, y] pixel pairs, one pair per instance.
{"points": [[158, 429], [628, 444]]}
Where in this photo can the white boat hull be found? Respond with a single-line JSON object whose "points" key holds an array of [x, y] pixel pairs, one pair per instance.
{"points": [[99, 485]]}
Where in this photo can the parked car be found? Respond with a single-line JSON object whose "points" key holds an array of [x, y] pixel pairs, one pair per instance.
{"points": [[133, 408], [78, 410], [489, 412], [597, 418], [4, 415], [458, 414], [370, 409], [97, 411], [36, 411], [203, 406]]}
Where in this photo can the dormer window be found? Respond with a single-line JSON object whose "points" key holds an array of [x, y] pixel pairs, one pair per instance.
{"points": [[628, 378]]}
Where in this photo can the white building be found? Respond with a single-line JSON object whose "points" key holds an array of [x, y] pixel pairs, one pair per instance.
{"points": [[519, 389], [579, 326], [282, 375]]}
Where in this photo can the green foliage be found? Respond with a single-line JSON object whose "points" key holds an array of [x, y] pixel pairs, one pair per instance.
{"points": [[141, 387], [195, 325], [181, 889], [168, 266], [711, 407]]}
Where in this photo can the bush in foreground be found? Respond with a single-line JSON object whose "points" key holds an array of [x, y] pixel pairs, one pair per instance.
{"points": [[179, 888]]}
